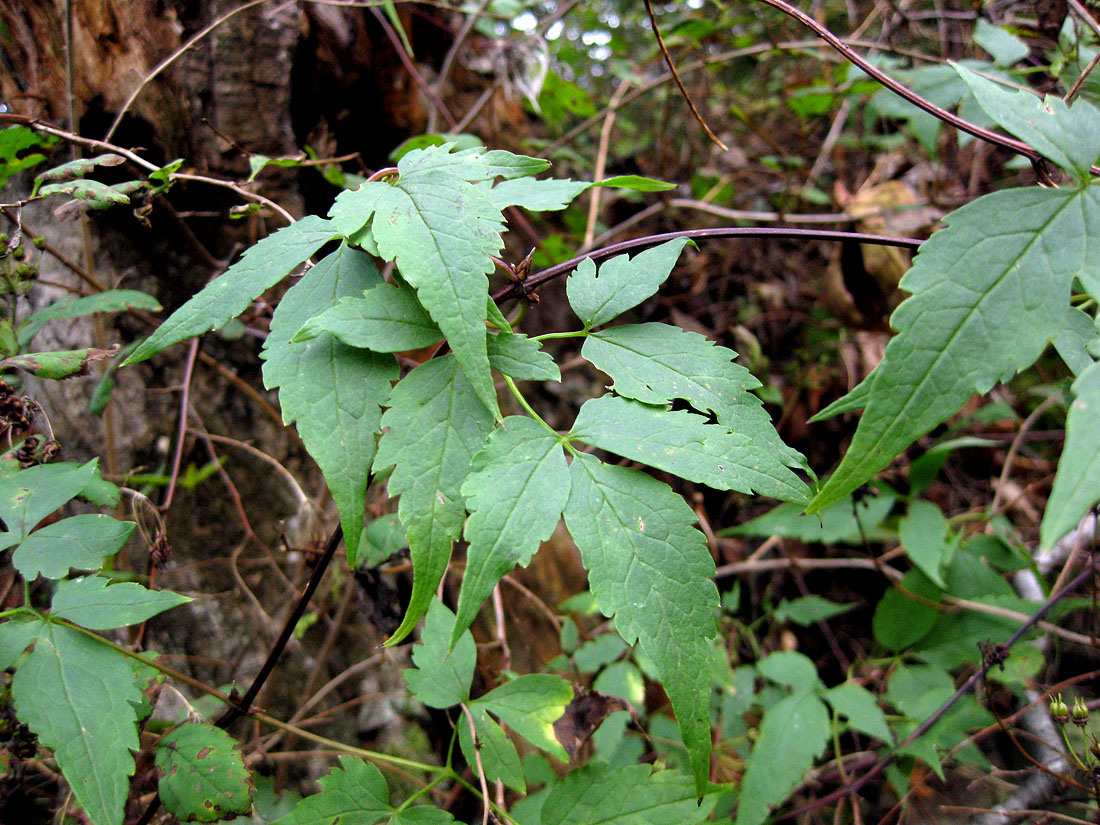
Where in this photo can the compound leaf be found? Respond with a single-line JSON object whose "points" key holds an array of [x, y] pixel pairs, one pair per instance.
{"points": [[1007, 255], [202, 774], [355, 793], [521, 358], [621, 282], [227, 296], [387, 318], [79, 697], [1077, 484], [80, 542], [683, 443], [599, 794], [792, 735], [519, 485], [333, 391], [649, 568], [434, 426], [443, 672], [442, 232], [531, 705], [91, 601]]}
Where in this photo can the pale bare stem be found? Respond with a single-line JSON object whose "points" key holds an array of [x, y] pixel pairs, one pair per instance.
{"points": [[501, 628], [300, 498], [448, 60], [479, 104], [1014, 448], [480, 768], [601, 161], [181, 428]]}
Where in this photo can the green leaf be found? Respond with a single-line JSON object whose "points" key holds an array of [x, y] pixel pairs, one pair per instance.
{"points": [[637, 182], [78, 696], [1073, 341], [657, 363], [475, 163], [649, 569], [530, 705], [80, 542], [59, 364], [15, 636], [598, 794], [202, 774], [28, 496], [383, 537], [434, 426], [621, 282], [1004, 47], [1069, 136], [387, 318], [925, 536], [547, 195], [353, 794], [900, 619], [792, 735], [99, 195], [790, 668], [808, 610], [684, 443], [331, 390], [91, 601], [516, 493], [854, 399], [442, 232], [114, 300], [553, 194], [79, 167], [858, 706], [1007, 255], [443, 673], [421, 815], [230, 294], [839, 523], [1077, 484], [499, 757], [521, 358]]}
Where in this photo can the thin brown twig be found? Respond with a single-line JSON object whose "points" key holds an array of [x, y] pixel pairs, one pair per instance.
{"points": [[477, 759], [168, 61], [676, 76]]}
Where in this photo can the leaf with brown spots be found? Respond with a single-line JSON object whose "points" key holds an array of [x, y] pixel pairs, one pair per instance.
{"points": [[203, 777]]}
